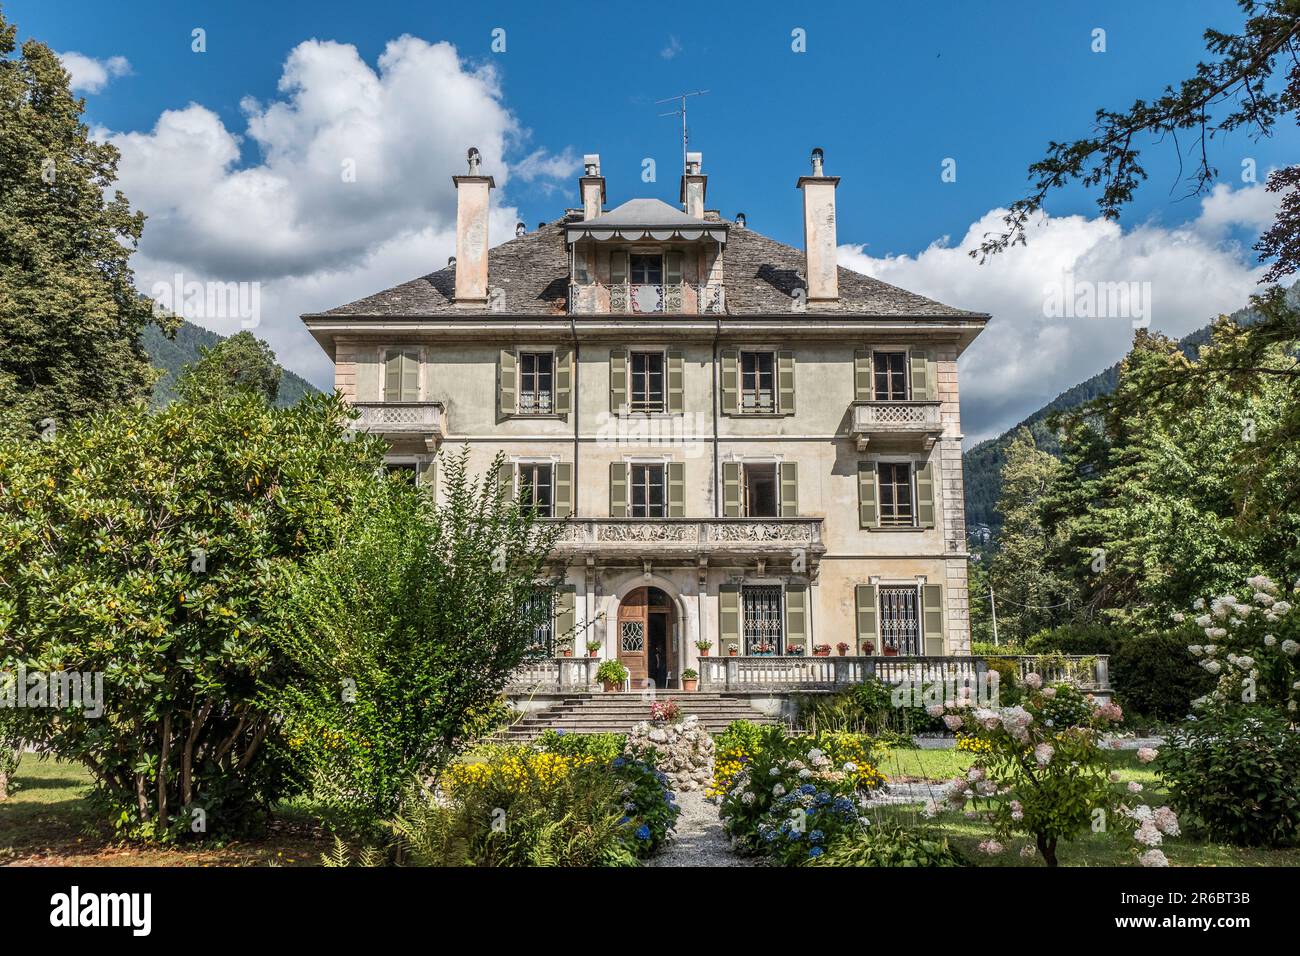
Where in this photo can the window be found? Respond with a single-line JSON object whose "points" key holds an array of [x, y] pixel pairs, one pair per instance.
{"points": [[647, 270], [757, 381], [900, 622], [890, 376], [895, 480], [536, 378], [542, 604], [402, 375], [648, 497], [760, 490], [535, 487], [647, 381], [760, 613]]}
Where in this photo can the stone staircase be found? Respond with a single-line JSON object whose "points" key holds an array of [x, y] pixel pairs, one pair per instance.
{"points": [[619, 712]]}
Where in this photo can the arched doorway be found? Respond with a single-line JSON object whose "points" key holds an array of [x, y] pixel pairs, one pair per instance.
{"points": [[645, 637]]}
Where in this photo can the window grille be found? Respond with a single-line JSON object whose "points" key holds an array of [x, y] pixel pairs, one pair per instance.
{"points": [[900, 621], [761, 618]]}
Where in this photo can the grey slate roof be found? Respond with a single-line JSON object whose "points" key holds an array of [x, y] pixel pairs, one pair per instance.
{"points": [[644, 212], [533, 271]]}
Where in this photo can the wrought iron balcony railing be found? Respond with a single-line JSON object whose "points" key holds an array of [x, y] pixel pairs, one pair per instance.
{"points": [[635, 298]]}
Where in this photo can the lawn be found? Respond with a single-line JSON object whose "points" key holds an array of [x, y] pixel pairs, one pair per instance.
{"points": [[1092, 849], [49, 820]]}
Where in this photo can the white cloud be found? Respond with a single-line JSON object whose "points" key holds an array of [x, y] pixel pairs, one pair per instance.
{"points": [[90, 75], [672, 49], [1024, 358], [348, 189]]}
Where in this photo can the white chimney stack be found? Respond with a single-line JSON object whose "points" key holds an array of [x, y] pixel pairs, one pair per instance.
{"points": [[819, 235], [694, 183], [472, 234], [592, 185]]}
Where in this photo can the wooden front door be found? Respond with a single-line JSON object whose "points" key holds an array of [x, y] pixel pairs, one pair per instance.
{"points": [[634, 635]]}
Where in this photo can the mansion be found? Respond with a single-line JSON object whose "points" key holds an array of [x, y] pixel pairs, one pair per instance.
{"points": [[753, 447]]}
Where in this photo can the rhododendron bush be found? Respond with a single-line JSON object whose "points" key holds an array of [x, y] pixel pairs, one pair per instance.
{"points": [[1041, 771]]}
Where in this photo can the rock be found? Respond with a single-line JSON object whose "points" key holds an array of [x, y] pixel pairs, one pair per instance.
{"points": [[681, 751]]}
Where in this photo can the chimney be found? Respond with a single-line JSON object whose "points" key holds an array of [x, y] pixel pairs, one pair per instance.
{"points": [[819, 235], [693, 186], [740, 220], [592, 184], [520, 230], [472, 234]]}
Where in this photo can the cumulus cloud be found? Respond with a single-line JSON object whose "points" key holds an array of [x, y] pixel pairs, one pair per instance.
{"points": [[1030, 352], [338, 187], [90, 75]]}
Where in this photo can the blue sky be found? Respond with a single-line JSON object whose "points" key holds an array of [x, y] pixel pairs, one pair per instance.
{"points": [[889, 91]]}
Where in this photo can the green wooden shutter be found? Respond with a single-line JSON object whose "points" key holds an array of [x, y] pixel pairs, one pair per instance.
{"points": [[563, 489], [392, 376], [862, 387], [617, 267], [676, 380], [932, 621], [507, 378], [785, 381], [618, 489], [563, 380], [731, 489], [867, 510], [729, 618], [865, 597], [676, 489], [923, 384], [925, 495], [618, 381], [796, 615], [789, 489], [673, 268], [730, 381], [410, 376], [566, 618], [506, 479], [429, 478]]}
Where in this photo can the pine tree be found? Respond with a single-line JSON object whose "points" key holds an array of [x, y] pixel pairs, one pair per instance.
{"points": [[70, 317]]}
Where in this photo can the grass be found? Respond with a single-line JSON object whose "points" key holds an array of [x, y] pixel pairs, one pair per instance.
{"points": [[1091, 849], [50, 820]]}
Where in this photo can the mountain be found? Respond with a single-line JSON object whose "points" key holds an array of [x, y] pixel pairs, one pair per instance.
{"points": [[982, 465], [171, 355]]}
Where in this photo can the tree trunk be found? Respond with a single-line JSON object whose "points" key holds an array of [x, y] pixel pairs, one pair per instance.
{"points": [[1048, 849]]}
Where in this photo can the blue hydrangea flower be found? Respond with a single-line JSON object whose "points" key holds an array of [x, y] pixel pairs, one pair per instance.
{"points": [[816, 851], [816, 836], [643, 832], [619, 762]]}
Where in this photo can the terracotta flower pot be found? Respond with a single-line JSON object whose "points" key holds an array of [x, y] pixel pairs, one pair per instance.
{"points": [[821, 653], [689, 685], [891, 651], [595, 653], [731, 652], [567, 653], [844, 652], [868, 649], [609, 686]]}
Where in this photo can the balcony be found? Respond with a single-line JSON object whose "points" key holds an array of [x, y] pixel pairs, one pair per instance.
{"points": [[899, 423], [395, 421], [632, 299], [678, 540]]}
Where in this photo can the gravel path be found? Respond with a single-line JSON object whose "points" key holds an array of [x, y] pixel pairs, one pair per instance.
{"points": [[700, 840]]}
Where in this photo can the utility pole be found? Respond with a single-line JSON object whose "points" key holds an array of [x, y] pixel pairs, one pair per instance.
{"points": [[681, 111], [993, 607]]}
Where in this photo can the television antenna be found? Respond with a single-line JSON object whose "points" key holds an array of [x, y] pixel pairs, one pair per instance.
{"points": [[681, 111]]}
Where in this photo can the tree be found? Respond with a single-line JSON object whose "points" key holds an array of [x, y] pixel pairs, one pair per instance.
{"points": [[70, 317], [241, 362], [1031, 593], [405, 630], [152, 548]]}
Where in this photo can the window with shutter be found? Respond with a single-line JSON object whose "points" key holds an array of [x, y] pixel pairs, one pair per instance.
{"points": [[649, 494], [402, 375], [647, 382], [536, 490], [758, 382], [536, 383], [890, 376], [897, 503]]}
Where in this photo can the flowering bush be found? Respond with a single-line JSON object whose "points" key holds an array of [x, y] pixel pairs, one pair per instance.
{"points": [[799, 826], [664, 711], [1237, 776], [1251, 646], [1042, 771], [602, 747], [772, 765], [649, 808]]}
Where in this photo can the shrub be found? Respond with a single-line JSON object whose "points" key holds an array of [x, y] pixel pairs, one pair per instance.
{"points": [[602, 747], [800, 825], [989, 649], [1009, 691], [1237, 775], [891, 844], [1155, 677], [865, 708], [611, 672], [650, 810], [1083, 638]]}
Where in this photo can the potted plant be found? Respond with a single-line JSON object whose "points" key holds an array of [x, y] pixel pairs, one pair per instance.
{"points": [[821, 650], [690, 679], [612, 675], [868, 648], [665, 711], [703, 647], [593, 647], [794, 650], [891, 650], [843, 648], [731, 650]]}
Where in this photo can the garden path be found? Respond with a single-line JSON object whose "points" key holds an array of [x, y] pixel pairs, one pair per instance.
{"points": [[700, 840]]}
